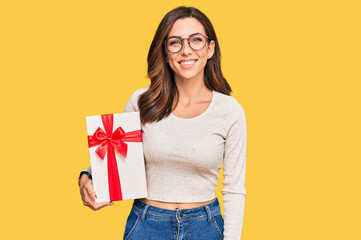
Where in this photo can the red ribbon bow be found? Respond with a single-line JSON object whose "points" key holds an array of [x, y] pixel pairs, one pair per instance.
{"points": [[108, 141]]}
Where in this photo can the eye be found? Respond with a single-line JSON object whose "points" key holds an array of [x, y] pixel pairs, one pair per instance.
{"points": [[197, 39], [173, 42]]}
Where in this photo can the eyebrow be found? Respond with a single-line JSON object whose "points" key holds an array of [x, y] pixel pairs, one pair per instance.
{"points": [[193, 34]]}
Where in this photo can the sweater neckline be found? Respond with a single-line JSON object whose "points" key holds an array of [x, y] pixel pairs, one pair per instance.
{"points": [[200, 115]]}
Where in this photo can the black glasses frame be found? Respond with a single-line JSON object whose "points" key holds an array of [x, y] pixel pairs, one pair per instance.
{"points": [[189, 44]]}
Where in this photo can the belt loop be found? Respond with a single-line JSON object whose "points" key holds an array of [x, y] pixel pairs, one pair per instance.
{"points": [[208, 213], [142, 218]]}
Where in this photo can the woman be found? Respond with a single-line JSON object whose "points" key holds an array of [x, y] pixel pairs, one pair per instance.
{"points": [[190, 125]]}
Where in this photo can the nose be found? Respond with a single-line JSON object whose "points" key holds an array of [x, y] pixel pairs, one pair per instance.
{"points": [[186, 48]]}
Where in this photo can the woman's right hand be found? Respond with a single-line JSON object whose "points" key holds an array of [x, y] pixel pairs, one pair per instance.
{"points": [[88, 194]]}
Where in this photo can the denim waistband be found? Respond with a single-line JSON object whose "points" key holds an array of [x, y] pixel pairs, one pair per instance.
{"points": [[147, 210]]}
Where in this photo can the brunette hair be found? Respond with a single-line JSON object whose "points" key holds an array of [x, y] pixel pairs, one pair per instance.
{"points": [[156, 103]]}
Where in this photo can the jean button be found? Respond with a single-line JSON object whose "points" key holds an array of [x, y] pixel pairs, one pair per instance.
{"points": [[181, 214]]}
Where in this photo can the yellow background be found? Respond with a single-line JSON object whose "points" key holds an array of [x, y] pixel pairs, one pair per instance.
{"points": [[293, 65]]}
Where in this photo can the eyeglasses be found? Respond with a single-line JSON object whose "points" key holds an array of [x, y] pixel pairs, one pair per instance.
{"points": [[196, 41]]}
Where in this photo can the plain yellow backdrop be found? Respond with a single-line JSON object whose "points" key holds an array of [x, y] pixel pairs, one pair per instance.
{"points": [[293, 65]]}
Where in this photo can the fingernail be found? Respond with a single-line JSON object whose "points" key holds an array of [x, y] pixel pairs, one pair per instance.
{"points": [[111, 203]]}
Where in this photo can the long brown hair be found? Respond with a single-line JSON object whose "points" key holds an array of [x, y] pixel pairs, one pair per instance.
{"points": [[156, 103]]}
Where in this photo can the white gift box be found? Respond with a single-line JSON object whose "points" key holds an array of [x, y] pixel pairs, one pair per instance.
{"points": [[130, 169]]}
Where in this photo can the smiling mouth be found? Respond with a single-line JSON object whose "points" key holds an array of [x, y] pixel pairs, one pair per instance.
{"points": [[187, 63]]}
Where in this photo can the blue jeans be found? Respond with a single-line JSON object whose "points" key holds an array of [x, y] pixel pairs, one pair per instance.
{"points": [[153, 223]]}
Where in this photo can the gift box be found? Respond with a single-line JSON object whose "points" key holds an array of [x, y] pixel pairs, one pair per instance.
{"points": [[116, 156]]}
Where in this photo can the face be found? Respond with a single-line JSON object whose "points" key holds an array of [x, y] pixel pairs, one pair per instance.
{"points": [[189, 63]]}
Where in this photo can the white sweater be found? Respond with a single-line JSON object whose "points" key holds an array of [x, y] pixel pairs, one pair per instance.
{"points": [[183, 157]]}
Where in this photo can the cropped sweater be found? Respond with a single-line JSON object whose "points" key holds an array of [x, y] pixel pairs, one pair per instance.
{"points": [[183, 157]]}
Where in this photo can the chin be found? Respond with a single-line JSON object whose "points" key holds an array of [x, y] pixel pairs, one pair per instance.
{"points": [[189, 75]]}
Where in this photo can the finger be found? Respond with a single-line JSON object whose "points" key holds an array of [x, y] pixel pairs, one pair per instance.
{"points": [[89, 188], [83, 196], [89, 193], [90, 203], [88, 200], [91, 207], [100, 205]]}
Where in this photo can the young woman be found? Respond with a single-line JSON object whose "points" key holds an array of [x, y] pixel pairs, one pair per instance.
{"points": [[190, 125]]}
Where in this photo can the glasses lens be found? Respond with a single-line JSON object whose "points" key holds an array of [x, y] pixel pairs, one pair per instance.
{"points": [[197, 42], [174, 44]]}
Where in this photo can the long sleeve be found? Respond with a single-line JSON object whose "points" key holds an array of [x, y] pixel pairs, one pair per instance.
{"points": [[234, 166], [132, 104], [89, 170]]}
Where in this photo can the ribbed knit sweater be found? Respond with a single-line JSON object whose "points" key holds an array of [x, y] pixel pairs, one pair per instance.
{"points": [[183, 157]]}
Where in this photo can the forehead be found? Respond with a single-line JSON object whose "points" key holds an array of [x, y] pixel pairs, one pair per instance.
{"points": [[185, 27]]}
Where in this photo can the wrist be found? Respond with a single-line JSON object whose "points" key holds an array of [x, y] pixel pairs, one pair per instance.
{"points": [[82, 177]]}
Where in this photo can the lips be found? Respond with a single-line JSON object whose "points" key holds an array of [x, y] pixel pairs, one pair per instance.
{"points": [[187, 62]]}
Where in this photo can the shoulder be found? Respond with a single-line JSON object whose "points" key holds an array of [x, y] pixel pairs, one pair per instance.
{"points": [[229, 105], [232, 114], [138, 92], [132, 104]]}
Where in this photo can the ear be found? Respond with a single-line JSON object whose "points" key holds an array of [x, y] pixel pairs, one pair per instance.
{"points": [[211, 47]]}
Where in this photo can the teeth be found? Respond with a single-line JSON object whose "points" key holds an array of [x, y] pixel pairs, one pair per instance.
{"points": [[187, 63]]}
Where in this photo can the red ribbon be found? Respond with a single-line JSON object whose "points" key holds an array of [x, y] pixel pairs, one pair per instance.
{"points": [[108, 141]]}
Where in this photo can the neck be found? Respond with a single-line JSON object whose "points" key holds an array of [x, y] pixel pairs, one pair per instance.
{"points": [[191, 90]]}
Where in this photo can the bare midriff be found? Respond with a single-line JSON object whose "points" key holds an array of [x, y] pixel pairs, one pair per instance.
{"points": [[174, 206]]}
